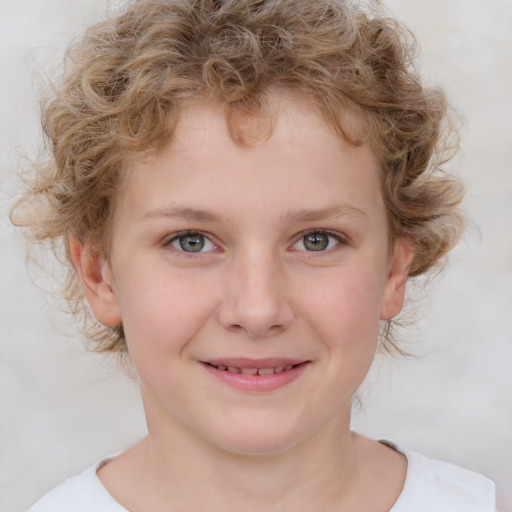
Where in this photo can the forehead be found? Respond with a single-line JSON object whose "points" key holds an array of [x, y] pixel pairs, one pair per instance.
{"points": [[300, 162]]}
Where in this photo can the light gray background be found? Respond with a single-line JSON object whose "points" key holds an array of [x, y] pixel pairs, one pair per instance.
{"points": [[63, 408]]}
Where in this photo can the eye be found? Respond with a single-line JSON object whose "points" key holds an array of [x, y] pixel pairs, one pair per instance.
{"points": [[318, 241], [191, 242]]}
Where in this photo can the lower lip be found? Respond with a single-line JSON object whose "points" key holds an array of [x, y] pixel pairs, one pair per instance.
{"points": [[257, 382]]}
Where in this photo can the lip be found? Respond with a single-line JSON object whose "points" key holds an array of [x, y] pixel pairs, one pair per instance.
{"points": [[261, 383], [244, 362]]}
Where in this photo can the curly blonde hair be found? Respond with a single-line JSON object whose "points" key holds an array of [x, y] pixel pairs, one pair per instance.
{"points": [[126, 81]]}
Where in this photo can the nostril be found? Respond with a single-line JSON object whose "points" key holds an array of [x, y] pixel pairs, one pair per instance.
{"points": [[272, 330]]}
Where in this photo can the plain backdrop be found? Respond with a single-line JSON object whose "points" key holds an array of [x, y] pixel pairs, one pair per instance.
{"points": [[63, 408]]}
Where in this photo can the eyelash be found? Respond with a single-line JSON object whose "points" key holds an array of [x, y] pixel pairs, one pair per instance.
{"points": [[190, 233], [340, 239]]}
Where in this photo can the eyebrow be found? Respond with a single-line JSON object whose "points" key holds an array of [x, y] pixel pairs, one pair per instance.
{"points": [[182, 213], [324, 213], [291, 217]]}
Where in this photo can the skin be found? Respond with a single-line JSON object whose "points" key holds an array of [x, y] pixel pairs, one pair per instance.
{"points": [[254, 291]]}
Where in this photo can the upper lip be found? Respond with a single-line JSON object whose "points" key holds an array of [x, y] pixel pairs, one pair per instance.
{"points": [[243, 362]]}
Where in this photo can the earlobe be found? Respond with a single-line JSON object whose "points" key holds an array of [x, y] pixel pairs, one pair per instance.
{"points": [[396, 279], [96, 279]]}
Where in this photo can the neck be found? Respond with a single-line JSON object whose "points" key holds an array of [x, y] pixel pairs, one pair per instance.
{"points": [[334, 469], [317, 474]]}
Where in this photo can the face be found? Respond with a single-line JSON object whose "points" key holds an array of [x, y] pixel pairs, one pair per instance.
{"points": [[250, 282]]}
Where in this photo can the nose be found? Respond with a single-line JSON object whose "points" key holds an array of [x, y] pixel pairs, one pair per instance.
{"points": [[256, 299]]}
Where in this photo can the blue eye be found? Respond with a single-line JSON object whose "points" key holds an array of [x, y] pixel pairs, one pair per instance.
{"points": [[192, 242], [317, 241]]}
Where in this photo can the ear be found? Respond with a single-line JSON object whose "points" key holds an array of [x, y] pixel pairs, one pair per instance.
{"points": [[394, 287], [96, 278]]}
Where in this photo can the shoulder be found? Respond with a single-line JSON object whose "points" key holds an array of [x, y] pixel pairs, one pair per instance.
{"points": [[81, 493], [436, 486]]}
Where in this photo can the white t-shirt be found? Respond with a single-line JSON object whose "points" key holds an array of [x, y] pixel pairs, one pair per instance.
{"points": [[430, 486]]}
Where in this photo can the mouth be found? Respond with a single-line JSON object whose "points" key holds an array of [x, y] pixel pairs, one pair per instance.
{"points": [[255, 371], [256, 375]]}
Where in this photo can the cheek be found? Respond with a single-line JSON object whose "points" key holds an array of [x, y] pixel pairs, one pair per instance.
{"points": [[342, 313], [344, 310], [161, 313]]}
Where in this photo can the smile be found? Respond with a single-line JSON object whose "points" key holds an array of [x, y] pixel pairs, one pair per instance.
{"points": [[256, 375], [254, 371]]}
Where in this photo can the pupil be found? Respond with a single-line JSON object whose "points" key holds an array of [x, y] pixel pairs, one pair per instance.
{"points": [[192, 243], [316, 242]]}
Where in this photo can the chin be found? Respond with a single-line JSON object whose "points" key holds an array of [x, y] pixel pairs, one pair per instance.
{"points": [[257, 438], [256, 446]]}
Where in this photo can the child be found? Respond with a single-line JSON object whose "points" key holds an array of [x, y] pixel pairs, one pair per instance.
{"points": [[243, 190]]}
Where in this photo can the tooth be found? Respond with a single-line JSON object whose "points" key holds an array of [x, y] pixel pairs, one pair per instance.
{"points": [[278, 369], [221, 367], [288, 367], [265, 371], [249, 371], [233, 369]]}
